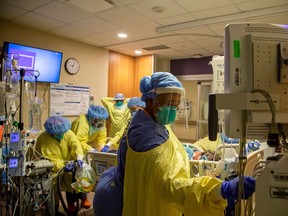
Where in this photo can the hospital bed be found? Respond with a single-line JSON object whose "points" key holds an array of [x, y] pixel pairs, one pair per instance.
{"points": [[229, 154]]}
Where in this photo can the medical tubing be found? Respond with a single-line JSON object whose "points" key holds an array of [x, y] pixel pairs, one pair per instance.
{"points": [[270, 103], [69, 213]]}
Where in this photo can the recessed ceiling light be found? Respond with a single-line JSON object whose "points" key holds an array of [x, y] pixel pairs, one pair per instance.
{"points": [[122, 35], [197, 56], [138, 52]]}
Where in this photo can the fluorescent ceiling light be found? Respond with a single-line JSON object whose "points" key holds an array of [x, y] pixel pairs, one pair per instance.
{"points": [[122, 35], [138, 52], [220, 19]]}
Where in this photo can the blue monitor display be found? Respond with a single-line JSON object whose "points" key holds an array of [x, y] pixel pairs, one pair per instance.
{"points": [[13, 163], [46, 62]]}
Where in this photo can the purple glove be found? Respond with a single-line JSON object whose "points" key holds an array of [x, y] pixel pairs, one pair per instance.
{"points": [[80, 164], [105, 148], [70, 167], [229, 189]]}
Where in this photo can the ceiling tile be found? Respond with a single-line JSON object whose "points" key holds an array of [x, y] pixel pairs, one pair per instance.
{"points": [[277, 19], [27, 4], [62, 12], [122, 16], [207, 42], [136, 18], [71, 32], [197, 5], [170, 39], [170, 8], [98, 40], [37, 21], [148, 29], [95, 24], [215, 12], [92, 6], [131, 35], [8, 12], [126, 2], [219, 27], [183, 45], [176, 19], [257, 4]]}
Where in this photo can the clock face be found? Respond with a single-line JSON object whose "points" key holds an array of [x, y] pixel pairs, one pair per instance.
{"points": [[72, 66]]}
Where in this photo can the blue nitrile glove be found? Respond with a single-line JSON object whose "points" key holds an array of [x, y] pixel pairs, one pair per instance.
{"points": [[80, 164], [70, 167], [105, 148], [229, 189]]}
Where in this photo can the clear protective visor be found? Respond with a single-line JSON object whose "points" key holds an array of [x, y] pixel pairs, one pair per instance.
{"points": [[172, 107]]}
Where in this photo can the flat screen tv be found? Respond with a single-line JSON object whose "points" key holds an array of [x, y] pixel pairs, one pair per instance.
{"points": [[46, 62]]}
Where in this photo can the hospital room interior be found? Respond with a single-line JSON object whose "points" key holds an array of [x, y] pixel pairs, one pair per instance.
{"points": [[144, 107]]}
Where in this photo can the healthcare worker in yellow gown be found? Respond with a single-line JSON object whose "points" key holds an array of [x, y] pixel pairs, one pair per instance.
{"points": [[134, 104], [153, 172], [118, 112], [60, 145], [90, 129]]}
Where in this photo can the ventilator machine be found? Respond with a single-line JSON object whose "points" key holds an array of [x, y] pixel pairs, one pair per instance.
{"points": [[26, 180], [255, 103]]}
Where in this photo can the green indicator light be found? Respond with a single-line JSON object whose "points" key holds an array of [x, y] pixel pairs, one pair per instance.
{"points": [[236, 44]]}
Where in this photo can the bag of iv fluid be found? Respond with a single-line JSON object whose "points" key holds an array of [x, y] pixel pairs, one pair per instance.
{"points": [[86, 179], [35, 113]]}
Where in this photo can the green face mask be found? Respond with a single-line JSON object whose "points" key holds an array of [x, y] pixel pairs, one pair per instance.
{"points": [[119, 103], [166, 115], [58, 136]]}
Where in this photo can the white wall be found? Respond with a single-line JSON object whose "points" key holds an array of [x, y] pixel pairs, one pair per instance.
{"points": [[93, 69]]}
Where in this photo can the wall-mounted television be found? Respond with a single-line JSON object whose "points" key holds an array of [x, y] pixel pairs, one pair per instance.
{"points": [[46, 62]]}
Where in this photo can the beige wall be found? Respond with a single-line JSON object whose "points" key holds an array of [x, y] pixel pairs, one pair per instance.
{"points": [[93, 62]]}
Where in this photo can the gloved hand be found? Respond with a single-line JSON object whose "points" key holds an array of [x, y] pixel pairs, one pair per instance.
{"points": [[70, 166], [105, 148], [229, 189], [80, 163]]}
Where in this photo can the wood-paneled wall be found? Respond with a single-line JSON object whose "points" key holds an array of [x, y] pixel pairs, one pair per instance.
{"points": [[125, 73]]}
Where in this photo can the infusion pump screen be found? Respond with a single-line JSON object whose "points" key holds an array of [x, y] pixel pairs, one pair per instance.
{"points": [[13, 163], [14, 137]]}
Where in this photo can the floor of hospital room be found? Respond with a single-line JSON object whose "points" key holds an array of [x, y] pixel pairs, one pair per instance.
{"points": [[82, 211]]}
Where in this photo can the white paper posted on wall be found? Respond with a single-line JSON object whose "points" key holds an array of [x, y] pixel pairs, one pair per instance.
{"points": [[68, 100]]}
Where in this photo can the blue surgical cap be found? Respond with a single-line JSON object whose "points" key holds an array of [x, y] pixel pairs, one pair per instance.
{"points": [[97, 112], [156, 81], [119, 96], [136, 101], [57, 125]]}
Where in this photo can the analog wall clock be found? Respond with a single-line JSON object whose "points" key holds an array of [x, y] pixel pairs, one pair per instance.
{"points": [[72, 66]]}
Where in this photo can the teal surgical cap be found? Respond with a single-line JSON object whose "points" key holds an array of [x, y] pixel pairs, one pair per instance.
{"points": [[57, 125], [97, 112], [160, 83], [136, 101]]}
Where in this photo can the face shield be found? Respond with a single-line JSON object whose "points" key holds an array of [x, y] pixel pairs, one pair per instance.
{"points": [[167, 104], [97, 123]]}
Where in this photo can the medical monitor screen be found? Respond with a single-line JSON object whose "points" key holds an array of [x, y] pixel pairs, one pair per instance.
{"points": [[34, 60], [13, 163]]}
